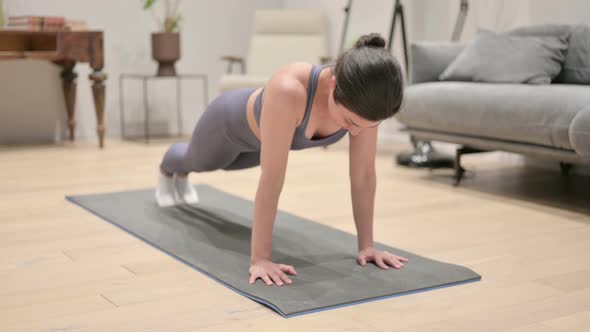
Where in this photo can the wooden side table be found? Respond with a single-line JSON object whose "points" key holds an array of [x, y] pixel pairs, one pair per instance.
{"points": [[64, 48]]}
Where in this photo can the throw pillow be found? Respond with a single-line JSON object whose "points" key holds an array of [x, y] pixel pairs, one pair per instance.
{"points": [[504, 58]]}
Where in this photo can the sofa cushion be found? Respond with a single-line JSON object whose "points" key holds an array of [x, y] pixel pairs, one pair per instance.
{"points": [[503, 58], [512, 112], [540, 30], [576, 68], [430, 59], [580, 132]]}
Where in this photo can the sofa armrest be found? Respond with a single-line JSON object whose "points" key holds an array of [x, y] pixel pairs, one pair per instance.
{"points": [[326, 60], [231, 59], [580, 133], [430, 59]]}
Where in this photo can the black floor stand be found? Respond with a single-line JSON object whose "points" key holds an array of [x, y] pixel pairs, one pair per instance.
{"points": [[424, 154], [398, 10], [459, 170]]}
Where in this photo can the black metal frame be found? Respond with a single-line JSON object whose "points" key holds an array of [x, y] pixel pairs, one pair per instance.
{"points": [[345, 26], [146, 78], [398, 10], [423, 150], [460, 22]]}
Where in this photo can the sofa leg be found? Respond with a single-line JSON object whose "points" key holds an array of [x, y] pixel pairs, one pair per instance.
{"points": [[459, 170], [566, 168]]}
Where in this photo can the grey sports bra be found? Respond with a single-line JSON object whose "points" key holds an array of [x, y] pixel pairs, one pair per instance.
{"points": [[299, 140]]}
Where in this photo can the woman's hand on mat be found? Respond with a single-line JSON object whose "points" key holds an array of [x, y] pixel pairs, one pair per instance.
{"points": [[380, 258], [271, 273]]}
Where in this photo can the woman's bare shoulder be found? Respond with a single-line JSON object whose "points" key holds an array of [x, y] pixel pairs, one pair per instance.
{"points": [[290, 83], [292, 77]]}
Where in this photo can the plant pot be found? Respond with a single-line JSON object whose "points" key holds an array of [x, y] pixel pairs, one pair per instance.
{"points": [[166, 51]]}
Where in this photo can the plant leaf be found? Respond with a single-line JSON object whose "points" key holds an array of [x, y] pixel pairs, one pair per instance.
{"points": [[173, 23], [147, 4], [177, 21]]}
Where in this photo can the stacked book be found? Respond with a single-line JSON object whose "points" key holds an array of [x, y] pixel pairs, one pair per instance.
{"points": [[44, 23], [36, 23], [76, 25]]}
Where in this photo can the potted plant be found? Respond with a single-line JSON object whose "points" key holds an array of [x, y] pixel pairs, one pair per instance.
{"points": [[1, 14], [166, 42]]}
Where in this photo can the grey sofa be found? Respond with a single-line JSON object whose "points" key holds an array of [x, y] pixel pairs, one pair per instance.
{"points": [[545, 121]]}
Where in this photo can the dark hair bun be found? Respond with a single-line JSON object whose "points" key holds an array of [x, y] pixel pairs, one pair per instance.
{"points": [[370, 40]]}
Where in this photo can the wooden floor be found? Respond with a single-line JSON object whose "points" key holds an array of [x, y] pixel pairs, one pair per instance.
{"points": [[525, 230]]}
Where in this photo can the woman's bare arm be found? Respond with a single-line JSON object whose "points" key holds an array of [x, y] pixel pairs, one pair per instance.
{"points": [[363, 183], [363, 180], [278, 122]]}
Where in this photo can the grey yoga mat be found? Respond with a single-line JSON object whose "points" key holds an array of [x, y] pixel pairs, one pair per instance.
{"points": [[213, 236]]}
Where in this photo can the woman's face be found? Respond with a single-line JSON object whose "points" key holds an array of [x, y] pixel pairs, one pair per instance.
{"points": [[346, 118]]}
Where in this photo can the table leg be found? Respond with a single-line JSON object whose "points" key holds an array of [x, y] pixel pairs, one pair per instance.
{"points": [[179, 104], [98, 92], [146, 105], [68, 77], [122, 106]]}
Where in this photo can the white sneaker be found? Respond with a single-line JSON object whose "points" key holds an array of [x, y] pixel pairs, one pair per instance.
{"points": [[166, 194], [185, 190]]}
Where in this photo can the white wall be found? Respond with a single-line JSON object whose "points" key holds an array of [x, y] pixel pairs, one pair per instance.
{"points": [[562, 11], [211, 29], [435, 19], [204, 38]]}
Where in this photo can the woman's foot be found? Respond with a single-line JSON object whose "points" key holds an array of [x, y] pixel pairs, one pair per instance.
{"points": [[185, 190], [166, 194]]}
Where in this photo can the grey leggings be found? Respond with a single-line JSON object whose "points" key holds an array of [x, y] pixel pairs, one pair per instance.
{"points": [[221, 139]]}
